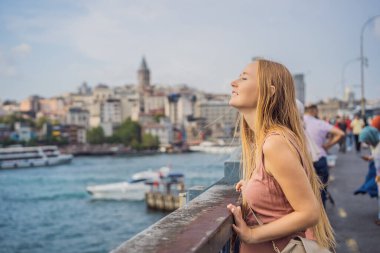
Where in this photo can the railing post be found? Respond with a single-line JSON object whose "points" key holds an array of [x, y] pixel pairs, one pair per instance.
{"points": [[182, 199], [194, 191]]}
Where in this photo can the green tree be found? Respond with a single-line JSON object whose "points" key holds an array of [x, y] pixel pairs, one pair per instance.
{"points": [[41, 121], [150, 142], [95, 135], [16, 117], [129, 132]]}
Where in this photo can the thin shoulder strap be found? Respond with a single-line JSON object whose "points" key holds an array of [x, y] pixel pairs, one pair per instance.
{"points": [[256, 218]]}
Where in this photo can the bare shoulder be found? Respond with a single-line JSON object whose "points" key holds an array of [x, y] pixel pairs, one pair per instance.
{"points": [[274, 144], [279, 154]]}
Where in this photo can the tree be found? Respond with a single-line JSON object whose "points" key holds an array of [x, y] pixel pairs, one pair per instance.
{"points": [[95, 135], [16, 117], [129, 132], [150, 142], [41, 121]]}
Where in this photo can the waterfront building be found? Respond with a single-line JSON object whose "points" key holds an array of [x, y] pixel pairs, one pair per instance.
{"points": [[218, 115], [22, 132], [78, 116], [84, 89], [76, 134], [102, 92], [162, 130], [299, 84], [10, 107], [30, 105], [52, 108], [130, 108], [194, 129], [155, 104], [178, 107], [5, 132], [110, 111]]}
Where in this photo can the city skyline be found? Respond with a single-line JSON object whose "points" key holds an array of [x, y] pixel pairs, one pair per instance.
{"points": [[50, 49]]}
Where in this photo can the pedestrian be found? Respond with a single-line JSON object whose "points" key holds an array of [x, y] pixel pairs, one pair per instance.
{"points": [[376, 122], [318, 130], [280, 190], [370, 136], [357, 125], [341, 124], [312, 147], [349, 135]]}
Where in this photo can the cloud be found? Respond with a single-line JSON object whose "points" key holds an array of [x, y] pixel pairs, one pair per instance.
{"points": [[22, 49], [113, 33], [6, 67], [10, 58]]}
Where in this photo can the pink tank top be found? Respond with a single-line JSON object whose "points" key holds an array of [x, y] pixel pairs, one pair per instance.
{"points": [[266, 198]]}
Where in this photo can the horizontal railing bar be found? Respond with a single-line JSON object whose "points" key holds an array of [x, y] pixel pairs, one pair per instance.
{"points": [[203, 225]]}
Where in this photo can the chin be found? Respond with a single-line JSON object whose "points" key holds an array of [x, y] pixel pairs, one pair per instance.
{"points": [[233, 104]]}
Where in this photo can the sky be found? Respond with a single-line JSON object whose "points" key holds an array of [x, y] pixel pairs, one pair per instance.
{"points": [[50, 47]]}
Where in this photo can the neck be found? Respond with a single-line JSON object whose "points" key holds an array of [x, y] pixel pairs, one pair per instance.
{"points": [[249, 117], [309, 114]]}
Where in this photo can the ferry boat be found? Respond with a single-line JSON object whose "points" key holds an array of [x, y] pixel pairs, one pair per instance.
{"points": [[24, 157], [210, 147]]}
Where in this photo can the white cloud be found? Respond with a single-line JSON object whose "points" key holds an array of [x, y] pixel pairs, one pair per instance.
{"points": [[6, 67], [22, 49]]}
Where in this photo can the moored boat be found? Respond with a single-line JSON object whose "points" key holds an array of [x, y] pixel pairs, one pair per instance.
{"points": [[210, 147], [24, 157]]}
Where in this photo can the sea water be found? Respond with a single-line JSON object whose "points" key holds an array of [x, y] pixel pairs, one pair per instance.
{"points": [[48, 209]]}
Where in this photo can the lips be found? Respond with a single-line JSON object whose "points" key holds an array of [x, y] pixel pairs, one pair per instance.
{"points": [[234, 93]]}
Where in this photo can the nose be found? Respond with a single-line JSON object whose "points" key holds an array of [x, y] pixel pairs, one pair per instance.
{"points": [[234, 83]]}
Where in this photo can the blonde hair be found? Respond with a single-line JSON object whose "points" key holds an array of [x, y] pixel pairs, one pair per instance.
{"points": [[278, 113]]}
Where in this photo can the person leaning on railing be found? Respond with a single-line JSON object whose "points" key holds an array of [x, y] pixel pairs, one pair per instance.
{"points": [[278, 183]]}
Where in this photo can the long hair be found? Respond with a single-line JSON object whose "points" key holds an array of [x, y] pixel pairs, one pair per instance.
{"points": [[278, 113]]}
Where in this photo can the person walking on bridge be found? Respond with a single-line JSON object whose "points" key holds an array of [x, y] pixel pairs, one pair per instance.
{"points": [[370, 136], [318, 130]]}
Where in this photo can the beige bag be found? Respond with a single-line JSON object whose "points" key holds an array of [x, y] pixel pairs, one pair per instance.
{"points": [[301, 245], [298, 244]]}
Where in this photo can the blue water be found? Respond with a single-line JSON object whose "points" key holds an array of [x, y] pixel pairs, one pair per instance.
{"points": [[48, 209]]}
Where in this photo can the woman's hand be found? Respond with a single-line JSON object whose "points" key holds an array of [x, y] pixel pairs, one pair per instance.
{"points": [[240, 186], [244, 232], [367, 158]]}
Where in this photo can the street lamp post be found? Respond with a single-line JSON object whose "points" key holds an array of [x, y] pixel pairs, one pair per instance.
{"points": [[362, 62]]}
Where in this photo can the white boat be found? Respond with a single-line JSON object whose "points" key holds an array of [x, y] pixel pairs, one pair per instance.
{"points": [[210, 147], [132, 190], [23, 157]]}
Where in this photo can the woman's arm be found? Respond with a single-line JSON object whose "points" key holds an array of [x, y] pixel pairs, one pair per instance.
{"points": [[284, 165]]}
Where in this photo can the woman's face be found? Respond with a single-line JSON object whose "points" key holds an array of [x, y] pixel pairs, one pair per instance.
{"points": [[245, 90]]}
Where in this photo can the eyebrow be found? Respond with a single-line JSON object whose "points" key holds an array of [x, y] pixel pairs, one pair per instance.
{"points": [[244, 73]]}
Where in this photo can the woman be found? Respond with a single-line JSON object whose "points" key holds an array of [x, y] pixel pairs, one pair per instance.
{"points": [[279, 183], [370, 136]]}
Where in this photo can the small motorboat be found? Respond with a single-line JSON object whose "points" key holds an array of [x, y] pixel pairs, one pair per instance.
{"points": [[134, 189]]}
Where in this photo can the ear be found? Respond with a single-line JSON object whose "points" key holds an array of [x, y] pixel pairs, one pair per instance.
{"points": [[272, 90]]}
